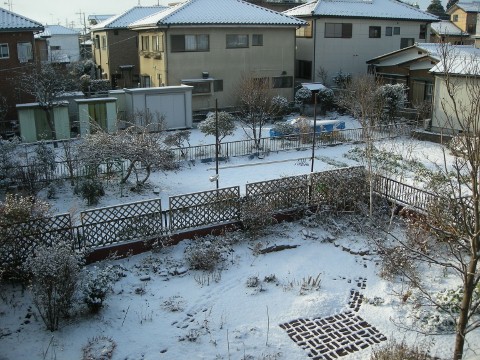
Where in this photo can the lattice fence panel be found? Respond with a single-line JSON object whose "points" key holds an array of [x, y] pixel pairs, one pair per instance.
{"points": [[115, 224], [340, 189], [281, 194], [204, 208], [21, 239]]}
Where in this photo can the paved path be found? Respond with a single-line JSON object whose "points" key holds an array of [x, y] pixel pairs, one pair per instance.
{"points": [[335, 336]]}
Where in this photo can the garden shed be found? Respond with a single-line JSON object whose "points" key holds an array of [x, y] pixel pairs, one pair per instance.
{"points": [[174, 103], [99, 111], [34, 125]]}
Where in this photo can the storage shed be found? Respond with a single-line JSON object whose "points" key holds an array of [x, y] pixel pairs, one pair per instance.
{"points": [[34, 125], [99, 111], [174, 103]]}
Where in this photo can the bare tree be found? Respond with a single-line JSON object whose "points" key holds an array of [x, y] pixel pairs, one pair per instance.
{"points": [[447, 237], [255, 104], [360, 98], [46, 83], [140, 148]]}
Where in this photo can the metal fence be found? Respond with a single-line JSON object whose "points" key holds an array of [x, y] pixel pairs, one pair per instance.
{"points": [[146, 220]]}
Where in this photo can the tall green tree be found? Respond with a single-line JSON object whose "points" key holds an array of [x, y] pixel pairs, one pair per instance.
{"points": [[450, 3], [436, 8]]}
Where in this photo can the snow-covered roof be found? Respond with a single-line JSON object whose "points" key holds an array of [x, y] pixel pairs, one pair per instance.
{"points": [[473, 6], [380, 9], [97, 18], [421, 51], [214, 12], [51, 30], [123, 20], [461, 60], [9, 21], [446, 27]]}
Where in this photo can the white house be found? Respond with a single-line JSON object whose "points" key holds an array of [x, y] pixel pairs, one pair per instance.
{"points": [[343, 35], [63, 44]]}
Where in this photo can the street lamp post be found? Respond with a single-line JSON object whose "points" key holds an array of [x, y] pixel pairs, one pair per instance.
{"points": [[314, 130]]}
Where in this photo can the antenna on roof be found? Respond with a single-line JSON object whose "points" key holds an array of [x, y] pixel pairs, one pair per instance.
{"points": [[10, 4]]}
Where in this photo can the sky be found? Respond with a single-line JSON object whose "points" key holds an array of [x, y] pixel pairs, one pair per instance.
{"points": [[64, 12]]}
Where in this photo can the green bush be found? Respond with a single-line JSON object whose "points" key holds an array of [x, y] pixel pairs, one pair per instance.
{"points": [[90, 190]]}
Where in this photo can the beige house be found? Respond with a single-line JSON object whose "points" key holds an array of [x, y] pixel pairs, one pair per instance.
{"points": [[343, 35], [115, 47], [464, 16], [210, 45]]}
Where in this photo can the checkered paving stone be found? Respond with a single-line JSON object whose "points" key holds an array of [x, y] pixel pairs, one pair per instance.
{"points": [[338, 335], [334, 336]]}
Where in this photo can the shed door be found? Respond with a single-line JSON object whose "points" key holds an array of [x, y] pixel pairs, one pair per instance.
{"points": [[172, 106]]}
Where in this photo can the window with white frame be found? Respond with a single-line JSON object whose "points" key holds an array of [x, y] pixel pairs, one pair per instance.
{"points": [[4, 51], [104, 42], [235, 41], [156, 43], [145, 43], [388, 31]]}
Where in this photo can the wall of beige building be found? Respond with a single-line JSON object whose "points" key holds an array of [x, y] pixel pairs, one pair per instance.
{"points": [[276, 57]]}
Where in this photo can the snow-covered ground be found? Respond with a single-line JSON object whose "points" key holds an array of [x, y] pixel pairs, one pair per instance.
{"points": [[161, 309]]}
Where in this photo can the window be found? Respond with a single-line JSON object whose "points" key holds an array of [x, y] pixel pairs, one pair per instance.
{"points": [[454, 18], [471, 29], [396, 30], [428, 92], [4, 53], [217, 85], [104, 41], [374, 32], [145, 81], [423, 31], [182, 43], [304, 69], [282, 82], [333, 30], [55, 47], [257, 40], [235, 41], [388, 31], [145, 43], [24, 51], [406, 42], [199, 87], [156, 43], [305, 31]]}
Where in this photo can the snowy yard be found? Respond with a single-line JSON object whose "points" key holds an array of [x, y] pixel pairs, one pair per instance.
{"points": [[249, 306], [161, 310]]}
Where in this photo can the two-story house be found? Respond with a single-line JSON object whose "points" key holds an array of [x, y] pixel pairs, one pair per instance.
{"points": [[62, 44], [464, 16], [115, 50], [211, 45], [343, 35], [17, 55]]}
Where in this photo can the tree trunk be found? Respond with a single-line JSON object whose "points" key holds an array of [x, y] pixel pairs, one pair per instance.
{"points": [[51, 124], [464, 308], [129, 172]]}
